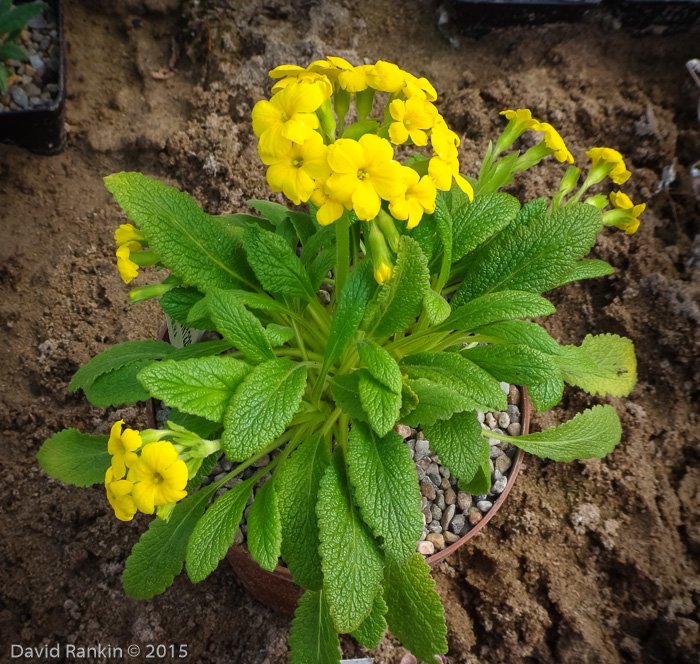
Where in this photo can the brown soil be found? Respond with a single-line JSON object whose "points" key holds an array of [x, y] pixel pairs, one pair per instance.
{"points": [[593, 561]]}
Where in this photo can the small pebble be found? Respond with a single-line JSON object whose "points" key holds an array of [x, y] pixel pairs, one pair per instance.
{"points": [[464, 501], [220, 476], [480, 416], [513, 413], [226, 465], [238, 537], [450, 496], [437, 539], [440, 499], [423, 536], [37, 63], [505, 387], [403, 430], [475, 517], [37, 23], [324, 297], [420, 435], [458, 524], [491, 421], [444, 471], [436, 512], [447, 517], [484, 505], [20, 97], [435, 478], [422, 447], [513, 395], [426, 548], [503, 420], [499, 485], [427, 513], [495, 452], [262, 461], [434, 527], [514, 429], [433, 469], [444, 484], [503, 463], [450, 537]]}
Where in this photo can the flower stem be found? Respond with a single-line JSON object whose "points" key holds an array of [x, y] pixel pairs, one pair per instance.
{"points": [[342, 243]]}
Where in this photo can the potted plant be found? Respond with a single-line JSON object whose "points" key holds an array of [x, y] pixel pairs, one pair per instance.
{"points": [[433, 277]]}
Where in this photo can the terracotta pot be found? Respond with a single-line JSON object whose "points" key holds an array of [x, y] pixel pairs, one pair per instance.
{"points": [[277, 589]]}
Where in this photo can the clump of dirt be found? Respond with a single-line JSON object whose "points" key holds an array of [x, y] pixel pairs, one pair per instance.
{"points": [[592, 561]]}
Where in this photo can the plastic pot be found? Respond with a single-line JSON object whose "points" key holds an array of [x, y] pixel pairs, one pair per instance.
{"points": [[41, 130]]}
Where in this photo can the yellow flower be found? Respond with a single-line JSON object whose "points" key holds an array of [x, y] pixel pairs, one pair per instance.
{"points": [[382, 271], [119, 496], [523, 118], [329, 210], [127, 268], [419, 198], [355, 79], [122, 445], [443, 168], [295, 172], [611, 161], [554, 141], [313, 78], [289, 117], [629, 222], [159, 477], [419, 87], [285, 70], [127, 234], [364, 172], [413, 117], [386, 77]]}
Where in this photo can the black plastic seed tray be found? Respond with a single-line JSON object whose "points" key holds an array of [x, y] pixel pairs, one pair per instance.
{"points": [[657, 16], [41, 130]]}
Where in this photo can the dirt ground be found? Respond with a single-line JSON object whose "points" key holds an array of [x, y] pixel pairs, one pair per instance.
{"points": [[594, 561]]}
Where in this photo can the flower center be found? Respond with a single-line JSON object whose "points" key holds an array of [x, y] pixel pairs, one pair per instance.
{"points": [[362, 174], [298, 162], [407, 123], [284, 117], [157, 478]]}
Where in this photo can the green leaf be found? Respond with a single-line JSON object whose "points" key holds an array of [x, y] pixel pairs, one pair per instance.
{"points": [[278, 335], [436, 307], [258, 301], [443, 227], [303, 226], [213, 535], [358, 290], [262, 408], [12, 52], [243, 220], [194, 245], [535, 257], [381, 404], [588, 269], [591, 434], [16, 18], [276, 265], [460, 375], [75, 458], [200, 349], [531, 210], [323, 237], [117, 357], [458, 443], [345, 390], [350, 558], [358, 129], [118, 387], [425, 234], [399, 300], [495, 307], [372, 628], [159, 555], [265, 528], [415, 614], [312, 637], [274, 212], [201, 386], [519, 332], [436, 401], [321, 265], [380, 364], [603, 364], [239, 326], [199, 425], [481, 481], [177, 303], [297, 486], [409, 401], [383, 477], [204, 471], [198, 316], [479, 219]]}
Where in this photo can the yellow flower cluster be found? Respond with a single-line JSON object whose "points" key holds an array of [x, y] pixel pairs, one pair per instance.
{"points": [[128, 240], [626, 211], [297, 141], [611, 161], [142, 482], [522, 120]]}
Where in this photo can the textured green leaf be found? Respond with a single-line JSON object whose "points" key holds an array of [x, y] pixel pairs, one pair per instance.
{"points": [[535, 257], [345, 390], [118, 387], [372, 628], [265, 528], [278, 335], [479, 219], [531, 210], [312, 637], [203, 472], [321, 266], [194, 245], [262, 407], [481, 481], [415, 614], [495, 307], [444, 230], [158, 557], [258, 301], [383, 477], [399, 300], [177, 303], [520, 332], [75, 458], [12, 51], [350, 557], [303, 225], [459, 374], [425, 234], [16, 18], [201, 386], [587, 269], [381, 404], [297, 486], [590, 434], [409, 401], [458, 443], [436, 307], [199, 317], [116, 357], [547, 394], [243, 220], [200, 349], [273, 212], [358, 290], [239, 326], [201, 426], [380, 364], [276, 265], [604, 363], [436, 401], [520, 365], [323, 237], [213, 535]]}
